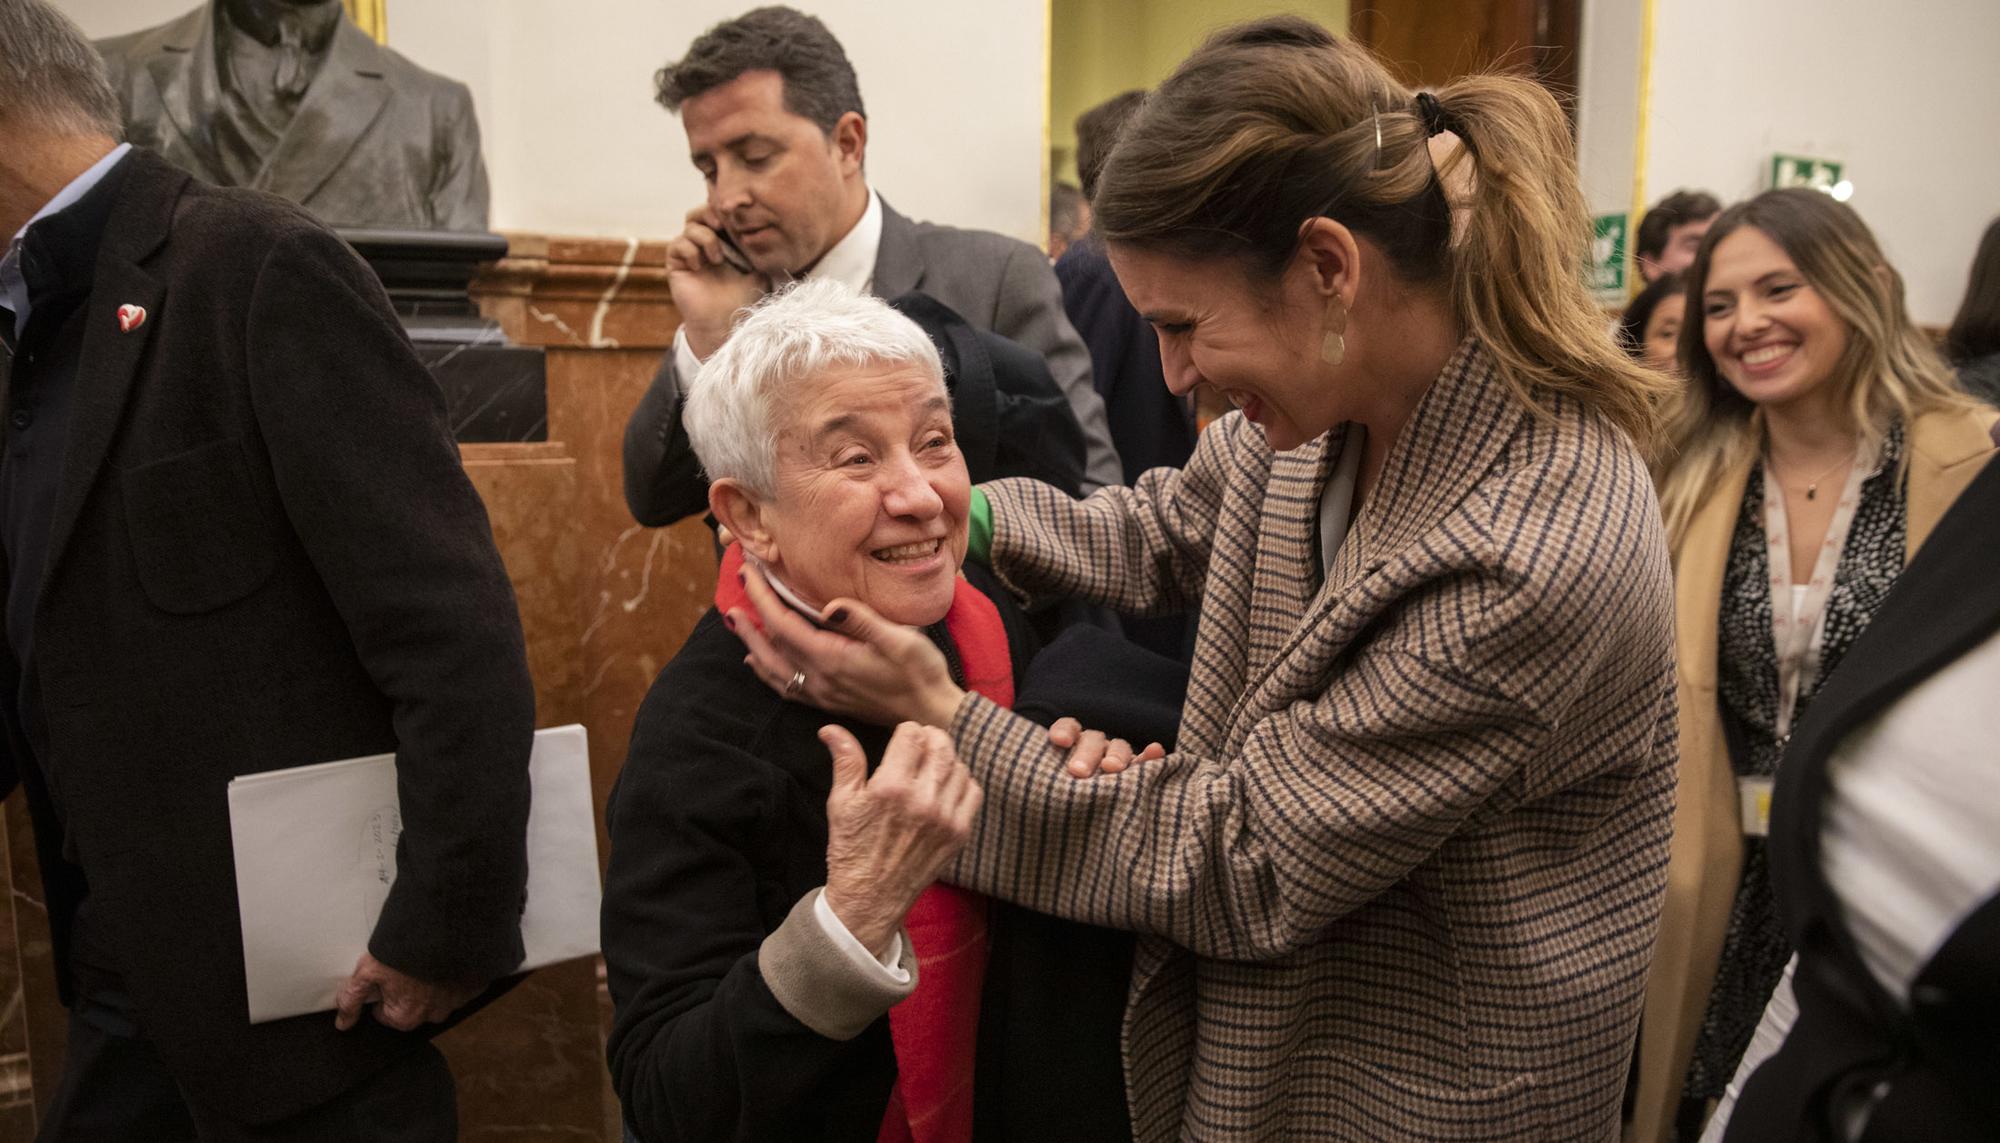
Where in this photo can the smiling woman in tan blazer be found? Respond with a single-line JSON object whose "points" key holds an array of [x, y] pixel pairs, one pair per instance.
{"points": [[1805, 374], [1400, 876]]}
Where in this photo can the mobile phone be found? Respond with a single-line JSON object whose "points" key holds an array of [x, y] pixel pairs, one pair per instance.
{"points": [[733, 255]]}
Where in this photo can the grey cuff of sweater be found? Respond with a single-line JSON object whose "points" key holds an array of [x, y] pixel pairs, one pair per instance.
{"points": [[815, 981]]}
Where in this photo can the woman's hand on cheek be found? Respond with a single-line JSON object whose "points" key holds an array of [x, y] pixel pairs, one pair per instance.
{"points": [[861, 665]]}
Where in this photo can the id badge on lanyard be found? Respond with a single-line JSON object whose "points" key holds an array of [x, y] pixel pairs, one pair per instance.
{"points": [[1797, 634]]}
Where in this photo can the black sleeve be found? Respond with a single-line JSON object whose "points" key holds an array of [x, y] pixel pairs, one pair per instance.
{"points": [[371, 483], [1039, 434], [664, 483], [700, 1049]]}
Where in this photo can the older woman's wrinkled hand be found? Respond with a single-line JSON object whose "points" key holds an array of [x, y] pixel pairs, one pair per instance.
{"points": [[890, 834], [857, 663]]}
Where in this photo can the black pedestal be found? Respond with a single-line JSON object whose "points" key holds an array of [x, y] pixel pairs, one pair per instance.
{"points": [[494, 391]]}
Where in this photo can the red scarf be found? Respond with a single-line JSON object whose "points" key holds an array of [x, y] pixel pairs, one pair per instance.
{"points": [[935, 1030]]}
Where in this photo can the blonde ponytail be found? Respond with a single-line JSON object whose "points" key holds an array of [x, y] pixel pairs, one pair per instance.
{"points": [[1523, 245]]}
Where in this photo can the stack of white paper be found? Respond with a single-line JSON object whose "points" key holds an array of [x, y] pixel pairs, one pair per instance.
{"points": [[316, 854]]}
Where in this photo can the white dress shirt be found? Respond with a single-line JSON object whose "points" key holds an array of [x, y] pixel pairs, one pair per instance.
{"points": [[850, 261]]}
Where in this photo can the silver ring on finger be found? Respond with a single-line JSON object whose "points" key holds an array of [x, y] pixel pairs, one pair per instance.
{"points": [[797, 684]]}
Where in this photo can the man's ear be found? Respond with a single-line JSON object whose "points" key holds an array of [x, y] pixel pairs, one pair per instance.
{"points": [[740, 510], [850, 139]]}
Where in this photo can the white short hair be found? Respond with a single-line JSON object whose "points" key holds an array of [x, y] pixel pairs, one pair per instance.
{"points": [[742, 395]]}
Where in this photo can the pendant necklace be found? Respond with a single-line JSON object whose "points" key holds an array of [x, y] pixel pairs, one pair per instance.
{"points": [[1812, 486]]}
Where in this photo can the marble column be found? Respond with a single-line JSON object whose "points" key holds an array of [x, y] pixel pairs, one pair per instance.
{"points": [[531, 1065], [600, 310]]}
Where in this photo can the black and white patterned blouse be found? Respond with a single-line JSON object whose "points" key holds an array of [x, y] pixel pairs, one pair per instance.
{"points": [[1755, 950]]}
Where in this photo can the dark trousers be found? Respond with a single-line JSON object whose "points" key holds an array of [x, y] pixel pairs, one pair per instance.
{"points": [[116, 1088]]}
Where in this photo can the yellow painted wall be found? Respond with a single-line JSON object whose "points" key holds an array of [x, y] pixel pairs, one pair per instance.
{"points": [[1099, 48]]}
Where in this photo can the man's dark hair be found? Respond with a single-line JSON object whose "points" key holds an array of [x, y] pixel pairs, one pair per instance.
{"points": [[1677, 209], [1097, 131], [819, 82], [1632, 324]]}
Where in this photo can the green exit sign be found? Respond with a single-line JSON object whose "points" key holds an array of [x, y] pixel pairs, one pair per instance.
{"points": [[1819, 174], [1607, 253]]}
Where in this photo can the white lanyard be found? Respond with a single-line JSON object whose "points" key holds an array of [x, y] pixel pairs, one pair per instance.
{"points": [[1798, 636]]}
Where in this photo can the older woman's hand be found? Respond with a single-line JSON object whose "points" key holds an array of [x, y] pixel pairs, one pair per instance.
{"points": [[889, 835], [857, 664]]}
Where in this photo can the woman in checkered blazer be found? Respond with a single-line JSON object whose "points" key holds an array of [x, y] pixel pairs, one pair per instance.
{"points": [[1400, 877]]}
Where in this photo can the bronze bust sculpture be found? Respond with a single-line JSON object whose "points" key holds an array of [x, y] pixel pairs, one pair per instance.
{"points": [[288, 96]]}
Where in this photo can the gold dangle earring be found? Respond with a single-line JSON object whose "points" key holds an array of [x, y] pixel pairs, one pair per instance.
{"points": [[1333, 347]]}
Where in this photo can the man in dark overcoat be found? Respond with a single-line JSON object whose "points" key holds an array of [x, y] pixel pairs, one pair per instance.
{"points": [[236, 538]]}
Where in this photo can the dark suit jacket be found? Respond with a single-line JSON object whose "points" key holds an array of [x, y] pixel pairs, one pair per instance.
{"points": [[377, 141], [718, 827], [1941, 1054], [265, 554], [1151, 427], [1000, 286]]}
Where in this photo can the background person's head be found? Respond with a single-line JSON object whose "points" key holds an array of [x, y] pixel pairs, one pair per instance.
{"points": [[1282, 190], [1097, 132], [1069, 218], [825, 427], [1650, 328], [1671, 231], [775, 125], [1792, 310], [1975, 332]]}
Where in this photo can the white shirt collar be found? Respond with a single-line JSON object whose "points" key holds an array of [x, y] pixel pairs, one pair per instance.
{"points": [[851, 261], [13, 284]]}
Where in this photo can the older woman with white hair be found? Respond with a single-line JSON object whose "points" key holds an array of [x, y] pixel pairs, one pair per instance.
{"points": [[764, 912]]}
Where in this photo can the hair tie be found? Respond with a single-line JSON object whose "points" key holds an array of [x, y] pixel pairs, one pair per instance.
{"points": [[1435, 118]]}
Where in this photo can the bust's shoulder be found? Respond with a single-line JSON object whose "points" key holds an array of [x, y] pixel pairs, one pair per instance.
{"points": [[135, 48], [406, 77]]}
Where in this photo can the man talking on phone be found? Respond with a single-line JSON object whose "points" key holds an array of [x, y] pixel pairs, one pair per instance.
{"points": [[775, 124]]}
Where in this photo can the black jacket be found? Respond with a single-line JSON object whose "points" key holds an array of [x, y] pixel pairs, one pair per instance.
{"points": [[1940, 1056], [1151, 427], [264, 554], [1009, 415], [718, 827]]}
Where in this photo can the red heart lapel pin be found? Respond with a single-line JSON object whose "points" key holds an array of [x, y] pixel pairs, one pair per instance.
{"points": [[130, 317]]}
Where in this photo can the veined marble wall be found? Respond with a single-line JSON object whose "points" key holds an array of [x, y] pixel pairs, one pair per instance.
{"points": [[601, 311]]}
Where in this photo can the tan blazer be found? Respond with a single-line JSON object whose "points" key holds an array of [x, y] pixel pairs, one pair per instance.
{"points": [[1946, 450], [1400, 878]]}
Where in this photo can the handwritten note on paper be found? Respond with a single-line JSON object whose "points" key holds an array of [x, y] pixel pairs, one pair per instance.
{"points": [[316, 857]]}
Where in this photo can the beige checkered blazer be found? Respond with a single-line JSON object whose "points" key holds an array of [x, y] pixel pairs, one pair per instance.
{"points": [[1400, 879]]}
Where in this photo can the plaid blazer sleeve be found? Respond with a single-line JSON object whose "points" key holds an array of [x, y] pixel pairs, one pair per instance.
{"points": [[1443, 717], [1140, 550]]}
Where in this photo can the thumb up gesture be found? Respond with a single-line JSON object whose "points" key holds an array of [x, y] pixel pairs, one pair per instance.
{"points": [[889, 834]]}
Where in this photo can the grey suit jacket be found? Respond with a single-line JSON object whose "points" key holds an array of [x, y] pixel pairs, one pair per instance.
{"points": [[377, 141], [995, 282]]}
